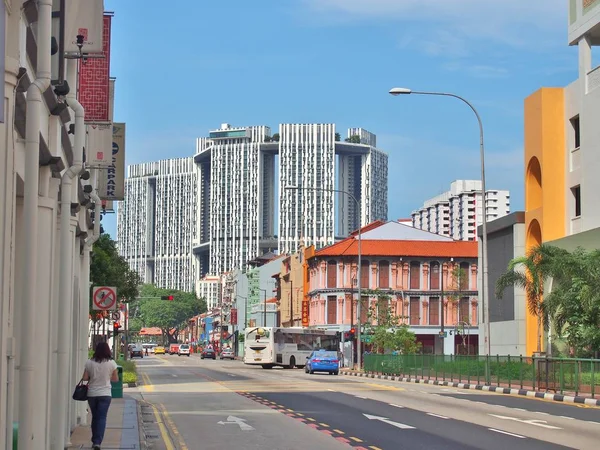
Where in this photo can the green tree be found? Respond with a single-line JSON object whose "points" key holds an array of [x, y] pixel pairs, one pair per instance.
{"points": [[573, 305], [530, 273], [275, 137], [388, 334], [169, 316], [354, 139], [338, 137], [108, 268]]}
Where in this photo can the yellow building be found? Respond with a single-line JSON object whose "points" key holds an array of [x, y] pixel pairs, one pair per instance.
{"points": [[562, 160]]}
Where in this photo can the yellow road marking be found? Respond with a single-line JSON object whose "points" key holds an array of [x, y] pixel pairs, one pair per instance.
{"points": [[163, 430], [290, 410], [355, 439], [174, 430], [300, 414], [372, 447], [323, 424], [338, 431], [312, 420]]}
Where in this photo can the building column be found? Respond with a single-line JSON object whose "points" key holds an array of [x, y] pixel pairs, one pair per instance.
{"points": [[585, 61]]}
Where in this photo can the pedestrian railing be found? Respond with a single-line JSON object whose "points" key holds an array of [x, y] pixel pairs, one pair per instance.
{"points": [[560, 375]]}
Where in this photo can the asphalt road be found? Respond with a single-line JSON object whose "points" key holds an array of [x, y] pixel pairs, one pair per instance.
{"points": [[207, 404]]}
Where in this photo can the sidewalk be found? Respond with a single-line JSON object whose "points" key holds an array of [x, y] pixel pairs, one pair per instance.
{"points": [[122, 431], [566, 398]]}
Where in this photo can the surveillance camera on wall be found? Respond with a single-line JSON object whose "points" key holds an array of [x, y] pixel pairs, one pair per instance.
{"points": [[63, 89]]}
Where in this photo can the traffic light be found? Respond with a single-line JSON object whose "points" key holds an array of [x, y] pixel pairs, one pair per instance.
{"points": [[349, 335], [167, 297], [116, 326]]}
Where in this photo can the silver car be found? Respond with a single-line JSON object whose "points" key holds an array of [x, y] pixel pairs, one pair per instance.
{"points": [[227, 353]]}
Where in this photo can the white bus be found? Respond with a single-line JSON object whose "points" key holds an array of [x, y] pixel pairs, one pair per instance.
{"points": [[286, 347]]}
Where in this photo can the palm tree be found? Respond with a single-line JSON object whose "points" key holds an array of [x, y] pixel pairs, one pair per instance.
{"points": [[530, 273]]}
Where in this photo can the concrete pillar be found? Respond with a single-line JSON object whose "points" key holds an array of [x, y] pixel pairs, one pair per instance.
{"points": [[41, 329], [585, 61]]}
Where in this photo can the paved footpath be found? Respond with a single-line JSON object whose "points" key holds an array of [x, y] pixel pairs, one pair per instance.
{"points": [[122, 430]]}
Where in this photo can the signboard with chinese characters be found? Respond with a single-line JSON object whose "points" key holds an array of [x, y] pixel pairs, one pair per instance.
{"points": [[84, 19], [305, 312]]}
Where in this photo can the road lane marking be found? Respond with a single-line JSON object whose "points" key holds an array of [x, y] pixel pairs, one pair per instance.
{"points": [[542, 413], [355, 439], [507, 433], [395, 406], [402, 426], [358, 396], [437, 415], [330, 390], [536, 422], [163, 430], [173, 428], [310, 419], [323, 424], [338, 431], [173, 375], [372, 447], [237, 421]]}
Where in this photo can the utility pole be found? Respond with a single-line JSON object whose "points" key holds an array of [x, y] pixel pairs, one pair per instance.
{"points": [[291, 302]]}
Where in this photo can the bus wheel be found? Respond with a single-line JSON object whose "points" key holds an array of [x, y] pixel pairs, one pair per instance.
{"points": [[267, 366], [292, 362]]}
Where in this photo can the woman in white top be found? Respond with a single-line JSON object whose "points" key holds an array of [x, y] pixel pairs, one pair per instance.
{"points": [[100, 371]]}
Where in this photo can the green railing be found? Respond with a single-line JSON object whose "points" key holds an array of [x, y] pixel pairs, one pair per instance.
{"points": [[560, 375]]}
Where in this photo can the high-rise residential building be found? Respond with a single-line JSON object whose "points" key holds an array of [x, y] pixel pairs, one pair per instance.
{"points": [[458, 212], [156, 222], [239, 191], [209, 288]]}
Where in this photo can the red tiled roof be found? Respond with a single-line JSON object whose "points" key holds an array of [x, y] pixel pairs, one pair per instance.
{"points": [[372, 247]]}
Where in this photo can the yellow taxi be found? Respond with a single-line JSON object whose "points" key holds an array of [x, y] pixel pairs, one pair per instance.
{"points": [[160, 350]]}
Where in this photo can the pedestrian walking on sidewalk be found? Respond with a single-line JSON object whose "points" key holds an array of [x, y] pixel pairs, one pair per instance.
{"points": [[100, 371]]}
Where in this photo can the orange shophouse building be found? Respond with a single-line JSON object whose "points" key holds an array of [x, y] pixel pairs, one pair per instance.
{"points": [[408, 271]]}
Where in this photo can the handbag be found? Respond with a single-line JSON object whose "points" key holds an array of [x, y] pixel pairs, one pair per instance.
{"points": [[80, 393]]}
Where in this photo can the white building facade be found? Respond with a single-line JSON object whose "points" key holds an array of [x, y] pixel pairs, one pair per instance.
{"points": [[210, 288], [458, 212], [157, 222]]}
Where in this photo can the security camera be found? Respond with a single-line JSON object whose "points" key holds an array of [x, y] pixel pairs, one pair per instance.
{"points": [[85, 175], [88, 188]]}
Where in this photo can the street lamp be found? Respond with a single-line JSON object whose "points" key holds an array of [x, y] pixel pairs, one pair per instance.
{"points": [[484, 244], [358, 306]]}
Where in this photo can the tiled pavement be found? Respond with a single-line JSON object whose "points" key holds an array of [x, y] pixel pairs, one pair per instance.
{"points": [[122, 431]]}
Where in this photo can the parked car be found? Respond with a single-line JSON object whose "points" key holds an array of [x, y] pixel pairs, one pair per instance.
{"points": [[322, 361], [173, 349], [159, 350], [136, 350], [227, 353], [208, 353], [184, 349]]}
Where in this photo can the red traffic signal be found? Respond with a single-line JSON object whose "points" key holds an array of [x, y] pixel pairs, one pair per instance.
{"points": [[167, 297], [116, 325]]}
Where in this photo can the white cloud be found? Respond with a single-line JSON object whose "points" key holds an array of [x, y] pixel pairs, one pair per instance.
{"points": [[514, 22]]}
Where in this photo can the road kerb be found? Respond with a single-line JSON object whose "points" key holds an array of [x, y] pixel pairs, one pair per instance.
{"points": [[481, 387]]}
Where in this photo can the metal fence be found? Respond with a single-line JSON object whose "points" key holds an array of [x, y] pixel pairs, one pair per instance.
{"points": [[560, 375]]}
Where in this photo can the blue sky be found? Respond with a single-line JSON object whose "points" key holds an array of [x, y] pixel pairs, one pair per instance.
{"points": [[184, 70]]}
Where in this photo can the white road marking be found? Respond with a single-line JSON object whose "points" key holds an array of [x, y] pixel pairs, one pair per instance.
{"points": [[536, 422], [395, 406], [389, 422], [565, 417], [437, 415], [507, 433], [357, 396], [173, 375]]}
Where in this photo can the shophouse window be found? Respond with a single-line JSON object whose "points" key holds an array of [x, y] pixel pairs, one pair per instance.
{"points": [[382, 310], [463, 310], [364, 275], [331, 309], [464, 276], [331, 274], [415, 313], [434, 275], [415, 275], [434, 310], [384, 274]]}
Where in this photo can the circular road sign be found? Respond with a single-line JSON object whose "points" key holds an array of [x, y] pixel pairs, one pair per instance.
{"points": [[105, 298]]}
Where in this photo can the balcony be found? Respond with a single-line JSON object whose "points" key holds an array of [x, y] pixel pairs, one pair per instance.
{"points": [[576, 225], [593, 79]]}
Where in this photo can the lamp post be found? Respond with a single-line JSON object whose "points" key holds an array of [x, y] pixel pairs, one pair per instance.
{"points": [[484, 244], [358, 306]]}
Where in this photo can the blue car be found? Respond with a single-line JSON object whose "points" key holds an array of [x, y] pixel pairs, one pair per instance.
{"points": [[322, 361]]}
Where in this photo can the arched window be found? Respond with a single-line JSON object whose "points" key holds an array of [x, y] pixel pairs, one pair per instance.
{"points": [[434, 275], [331, 274], [364, 274], [415, 275], [384, 274]]}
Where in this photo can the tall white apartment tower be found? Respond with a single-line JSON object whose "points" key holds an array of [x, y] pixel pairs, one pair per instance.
{"points": [[458, 212], [156, 222], [309, 158], [236, 202]]}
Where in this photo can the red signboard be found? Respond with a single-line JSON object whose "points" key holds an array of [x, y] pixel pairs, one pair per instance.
{"points": [[305, 311], [94, 74], [234, 316]]}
